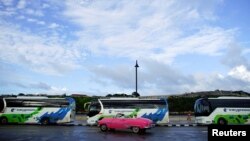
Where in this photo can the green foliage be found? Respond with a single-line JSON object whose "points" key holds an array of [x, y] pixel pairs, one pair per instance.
{"points": [[119, 95], [135, 94], [181, 104], [80, 101]]}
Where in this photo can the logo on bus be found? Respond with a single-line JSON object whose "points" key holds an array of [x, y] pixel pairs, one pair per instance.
{"points": [[12, 110], [110, 111]]}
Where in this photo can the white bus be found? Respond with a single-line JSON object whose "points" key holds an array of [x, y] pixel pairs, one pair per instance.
{"points": [[222, 110], [154, 109], [40, 110]]}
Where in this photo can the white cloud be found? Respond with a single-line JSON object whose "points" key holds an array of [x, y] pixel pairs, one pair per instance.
{"points": [[241, 73], [155, 32], [58, 90], [35, 21], [161, 31], [21, 4], [54, 25], [7, 2], [45, 5], [33, 12], [37, 53], [208, 41], [8, 12], [155, 78], [235, 56]]}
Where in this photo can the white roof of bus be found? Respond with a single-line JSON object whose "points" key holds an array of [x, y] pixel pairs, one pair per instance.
{"points": [[228, 97], [31, 97], [125, 98]]}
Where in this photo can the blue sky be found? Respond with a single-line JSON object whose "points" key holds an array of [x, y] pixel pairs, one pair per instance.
{"points": [[90, 46]]}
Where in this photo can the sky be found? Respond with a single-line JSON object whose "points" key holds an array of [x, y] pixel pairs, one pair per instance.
{"points": [[91, 46]]}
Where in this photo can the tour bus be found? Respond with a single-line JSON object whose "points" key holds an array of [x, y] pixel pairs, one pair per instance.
{"points": [[222, 110], [36, 110], [154, 109]]}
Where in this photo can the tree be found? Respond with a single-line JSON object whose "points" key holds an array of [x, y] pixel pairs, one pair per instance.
{"points": [[109, 95], [80, 101], [21, 94], [135, 94]]}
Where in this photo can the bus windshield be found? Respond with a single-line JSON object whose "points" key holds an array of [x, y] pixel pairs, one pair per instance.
{"points": [[1, 105], [94, 109], [201, 107]]}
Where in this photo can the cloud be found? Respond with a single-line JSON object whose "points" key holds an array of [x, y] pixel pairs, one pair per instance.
{"points": [[157, 36], [161, 31], [155, 78], [241, 73], [7, 2], [54, 25], [119, 75], [40, 85], [33, 12], [156, 33], [14, 78], [33, 20], [21, 4], [235, 57], [38, 53], [57, 90]]}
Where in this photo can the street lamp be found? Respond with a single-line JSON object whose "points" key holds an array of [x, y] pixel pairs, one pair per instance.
{"points": [[136, 66]]}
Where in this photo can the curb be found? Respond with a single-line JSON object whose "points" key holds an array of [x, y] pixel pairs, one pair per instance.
{"points": [[79, 124], [166, 125], [178, 125]]}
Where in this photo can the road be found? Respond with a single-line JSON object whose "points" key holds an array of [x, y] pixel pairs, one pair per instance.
{"points": [[85, 133]]}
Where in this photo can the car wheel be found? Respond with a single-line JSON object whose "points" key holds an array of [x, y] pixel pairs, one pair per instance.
{"points": [[222, 121], [103, 128], [3, 120], [136, 129]]}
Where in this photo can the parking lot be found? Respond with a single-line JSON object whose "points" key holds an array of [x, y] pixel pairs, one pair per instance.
{"points": [[86, 133], [79, 131], [173, 120]]}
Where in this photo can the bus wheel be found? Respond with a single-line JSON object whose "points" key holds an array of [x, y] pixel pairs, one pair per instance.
{"points": [[222, 121], [136, 129], [45, 121], [103, 128], [3, 120]]}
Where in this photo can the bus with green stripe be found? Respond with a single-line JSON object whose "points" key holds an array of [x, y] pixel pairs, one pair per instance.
{"points": [[222, 110], [36, 110], [154, 109]]}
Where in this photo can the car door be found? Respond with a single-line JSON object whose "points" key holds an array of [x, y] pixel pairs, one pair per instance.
{"points": [[118, 123]]}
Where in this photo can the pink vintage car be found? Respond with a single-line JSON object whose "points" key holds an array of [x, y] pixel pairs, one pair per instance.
{"points": [[137, 125]]}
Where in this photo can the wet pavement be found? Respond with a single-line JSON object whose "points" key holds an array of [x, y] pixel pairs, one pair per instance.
{"points": [[173, 120], [77, 131], [85, 133]]}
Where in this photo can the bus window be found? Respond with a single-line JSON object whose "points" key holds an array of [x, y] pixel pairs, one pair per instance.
{"points": [[1, 105], [94, 109], [201, 108]]}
